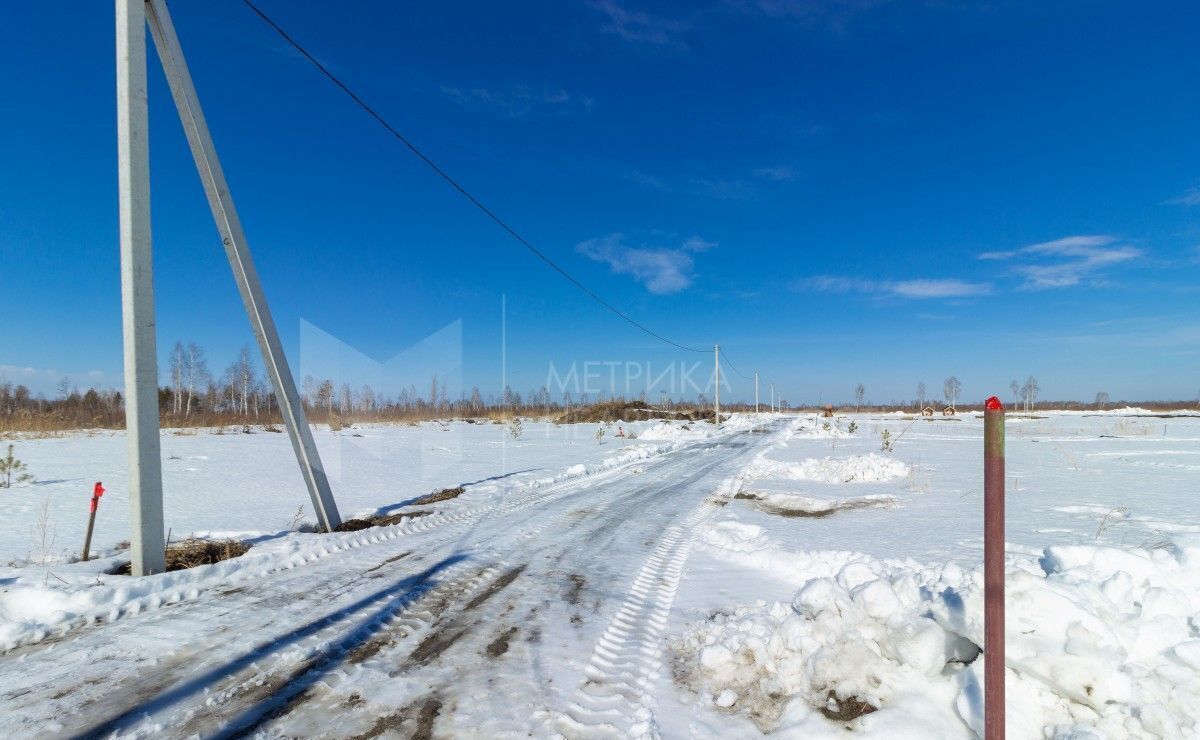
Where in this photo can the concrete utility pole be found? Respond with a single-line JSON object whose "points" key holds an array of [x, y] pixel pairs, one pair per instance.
{"points": [[756, 391], [137, 284], [772, 398], [717, 393], [229, 226], [147, 553]]}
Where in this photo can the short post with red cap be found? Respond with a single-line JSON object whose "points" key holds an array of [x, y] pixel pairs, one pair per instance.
{"points": [[993, 569], [97, 492]]}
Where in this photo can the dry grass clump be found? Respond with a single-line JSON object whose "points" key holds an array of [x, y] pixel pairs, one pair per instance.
{"points": [[629, 411], [438, 496], [192, 552], [384, 520], [377, 520]]}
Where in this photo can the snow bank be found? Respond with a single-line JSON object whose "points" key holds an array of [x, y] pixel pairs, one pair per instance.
{"points": [[807, 429], [1102, 643], [871, 467], [665, 431]]}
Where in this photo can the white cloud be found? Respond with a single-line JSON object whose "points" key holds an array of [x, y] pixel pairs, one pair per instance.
{"points": [[638, 26], [1190, 198], [661, 270], [517, 100], [1065, 262], [46, 380], [696, 244], [919, 289], [776, 173]]}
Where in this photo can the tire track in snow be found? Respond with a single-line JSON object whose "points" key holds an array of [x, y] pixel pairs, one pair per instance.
{"points": [[269, 679], [616, 697], [187, 587]]}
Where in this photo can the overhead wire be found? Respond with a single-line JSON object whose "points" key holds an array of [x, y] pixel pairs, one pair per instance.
{"points": [[455, 184], [732, 367]]}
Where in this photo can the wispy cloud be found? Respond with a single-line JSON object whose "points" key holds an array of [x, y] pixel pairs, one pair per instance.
{"points": [[1190, 198], [808, 10], [719, 188], [1066, 262], [44, 380], [839, 15], [640, 27], [661, 270], [917, 289], [519, 100], [776, 173], [725, 189]]}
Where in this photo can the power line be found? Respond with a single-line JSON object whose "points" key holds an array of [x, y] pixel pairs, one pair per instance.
{"points": [[731, 366], [454, 183]]}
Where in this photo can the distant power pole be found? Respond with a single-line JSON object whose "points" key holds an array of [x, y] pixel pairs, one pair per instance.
{"points": [[772, 398], [756, 391], [717, 392]]}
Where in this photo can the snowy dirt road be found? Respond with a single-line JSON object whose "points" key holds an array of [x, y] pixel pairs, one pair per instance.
{"points": [[542, 613]]}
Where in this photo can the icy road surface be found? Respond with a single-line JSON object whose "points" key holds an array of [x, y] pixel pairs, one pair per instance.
{"points": [[543, 612]]}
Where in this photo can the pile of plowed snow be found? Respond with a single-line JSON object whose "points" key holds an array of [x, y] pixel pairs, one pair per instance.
{"points": [[871, 467], [1102, 643]]}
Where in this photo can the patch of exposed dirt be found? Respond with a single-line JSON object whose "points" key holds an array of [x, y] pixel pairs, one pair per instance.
{"points": [[377, 520], [370, 648], [498, 585], [389, 561], [439, 496], [415, 721], [192, 552], [353, 525], [845, 710], [436, 643], [499, 646], [834, 508], [629, 411], [577, 584]]}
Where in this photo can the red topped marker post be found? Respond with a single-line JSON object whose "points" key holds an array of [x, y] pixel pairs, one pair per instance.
{"points": [[97, 492], [993, 569]]}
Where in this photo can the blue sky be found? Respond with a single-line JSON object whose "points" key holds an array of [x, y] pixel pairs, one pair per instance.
{"points": [[837, 192]]}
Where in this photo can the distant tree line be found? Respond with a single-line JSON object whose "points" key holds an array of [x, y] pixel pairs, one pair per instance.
{"points": [[240, 395]]}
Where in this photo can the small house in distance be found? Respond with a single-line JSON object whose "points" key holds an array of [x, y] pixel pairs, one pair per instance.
{"points": [[927, 411], [949, 411]]}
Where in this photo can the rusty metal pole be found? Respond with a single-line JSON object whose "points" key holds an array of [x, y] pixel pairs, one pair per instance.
{"points": [[993, 569], [97, 492]]}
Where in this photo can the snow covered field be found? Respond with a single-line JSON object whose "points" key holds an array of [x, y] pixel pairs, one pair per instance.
{"points": [[875, 594], [248, 485], [782, 576]]}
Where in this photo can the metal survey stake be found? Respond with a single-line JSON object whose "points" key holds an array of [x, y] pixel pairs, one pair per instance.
{"points": [[993, 569], [97, 492]]}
